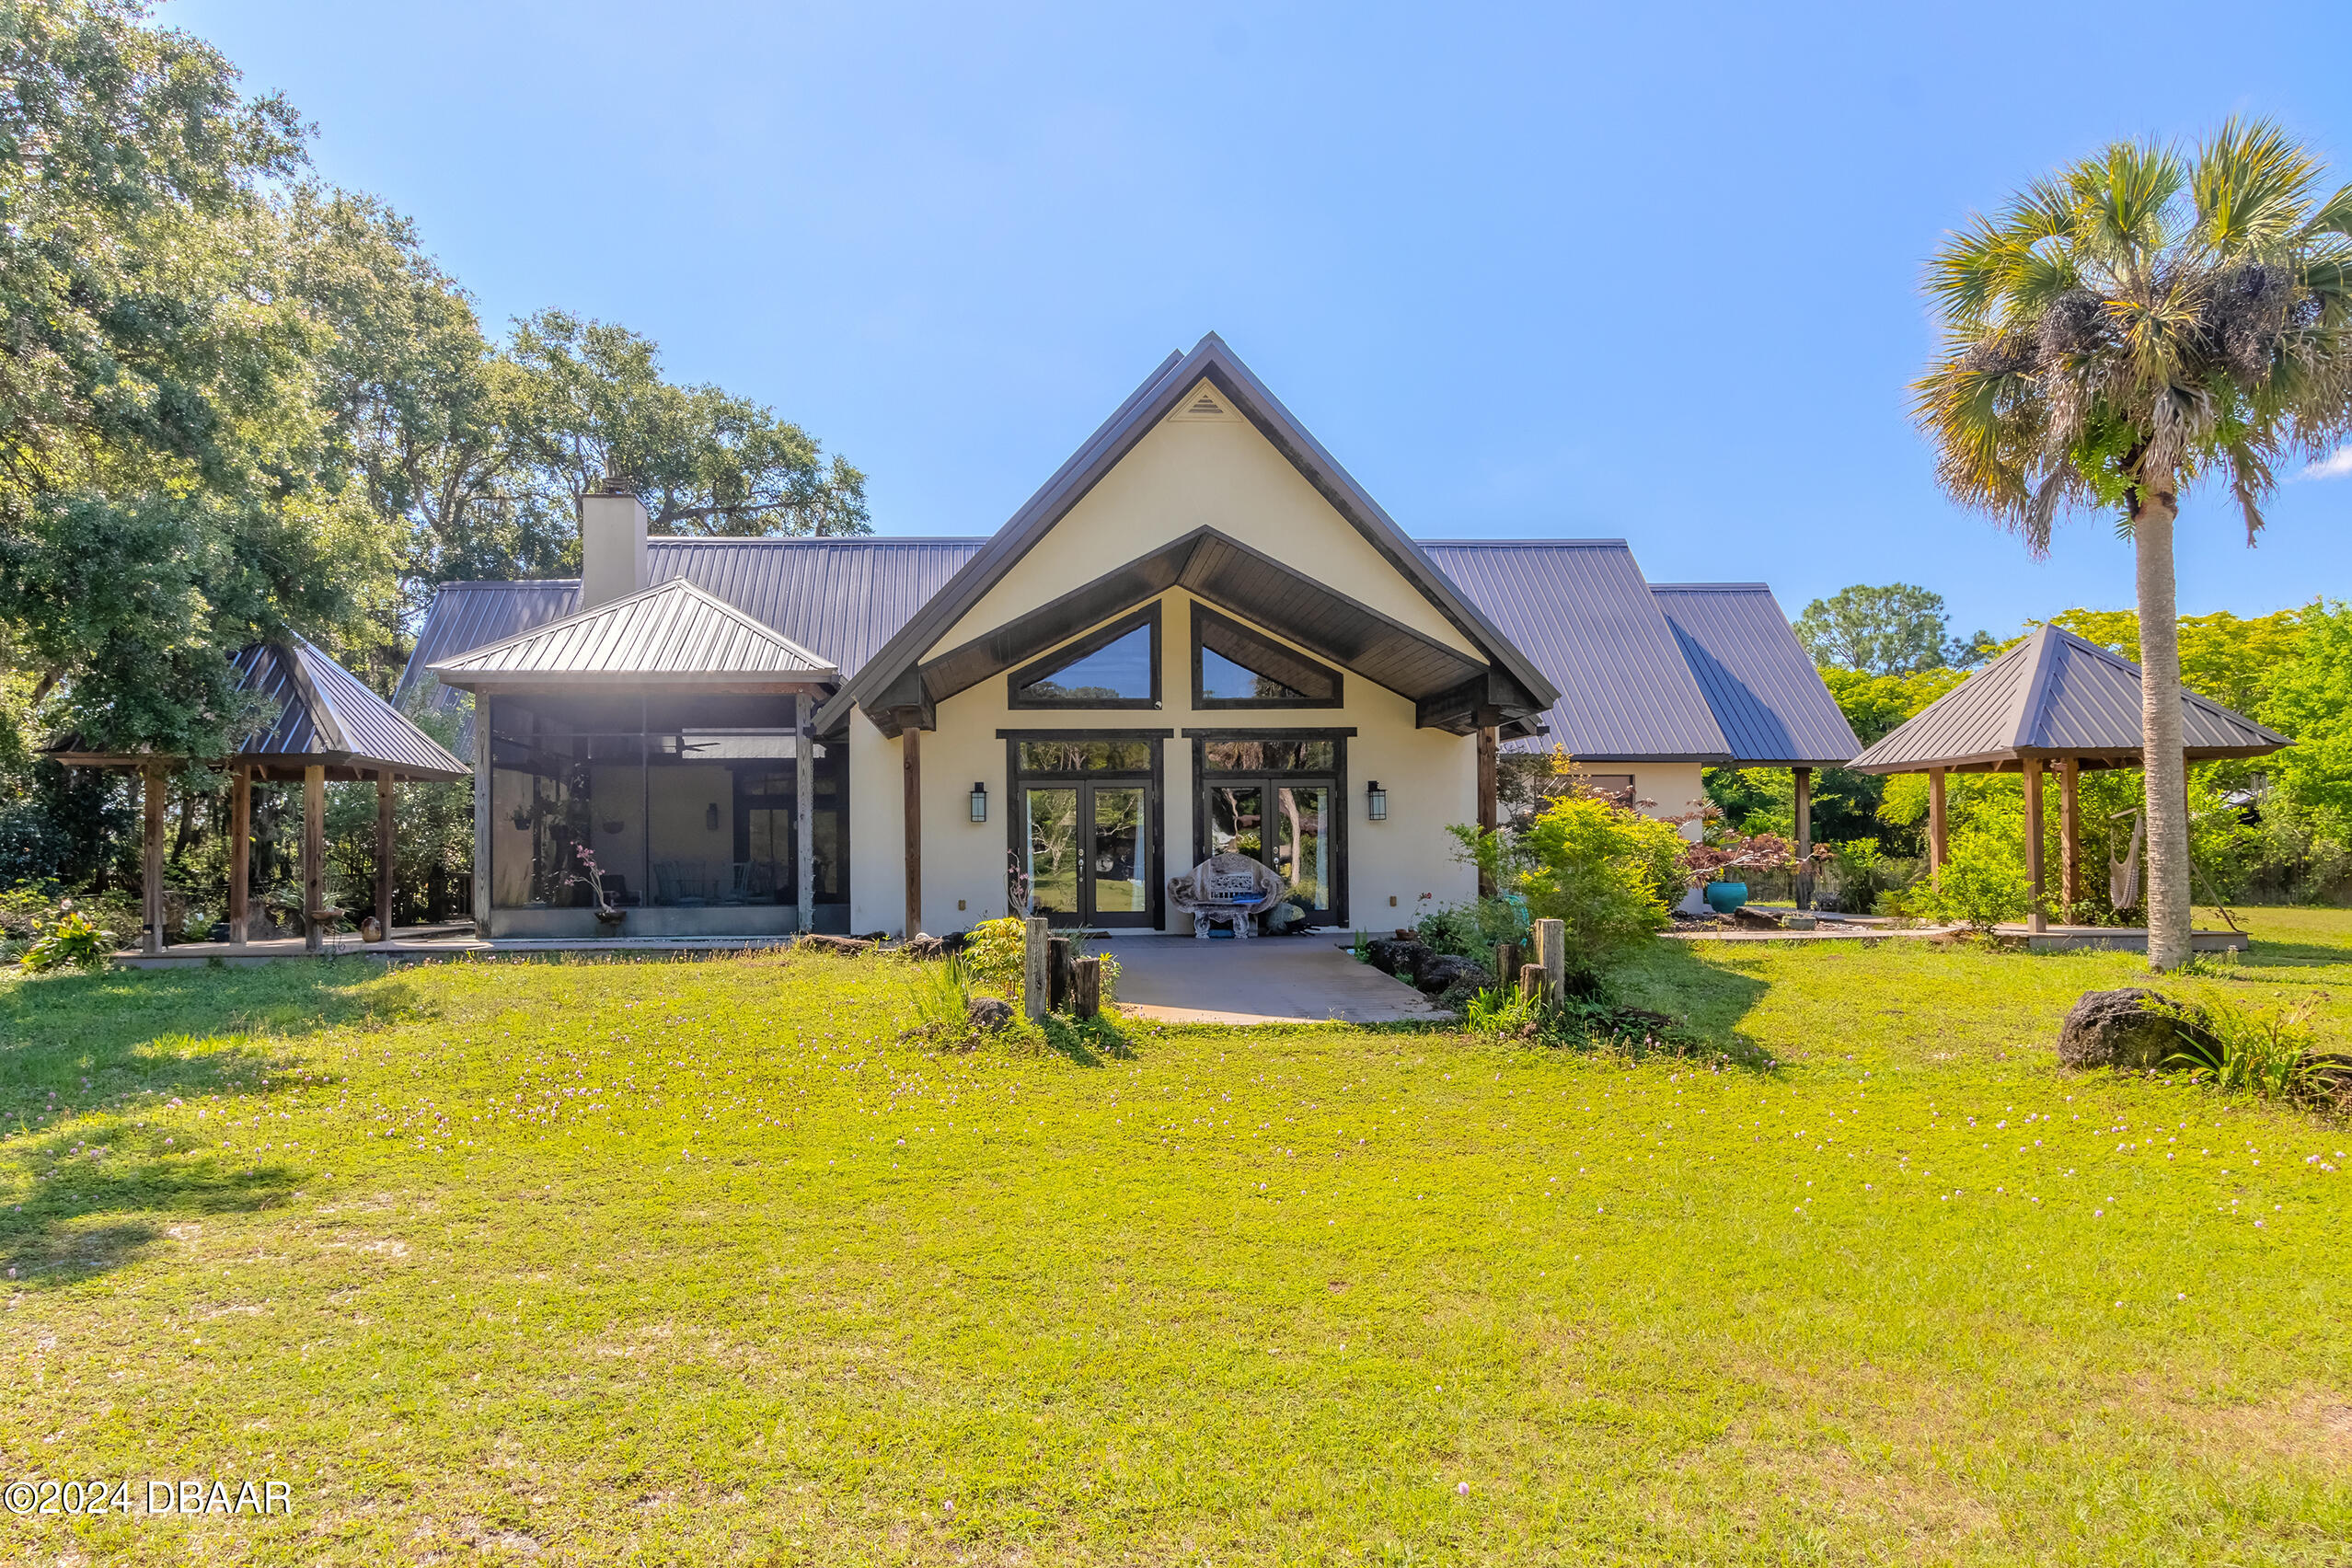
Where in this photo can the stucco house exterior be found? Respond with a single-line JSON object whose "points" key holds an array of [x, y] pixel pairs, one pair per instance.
{"points": [[1200, 635]]}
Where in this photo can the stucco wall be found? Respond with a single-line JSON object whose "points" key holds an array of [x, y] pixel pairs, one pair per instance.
{"points": [[1431, 778], [1670, 787], [1220, 474]]}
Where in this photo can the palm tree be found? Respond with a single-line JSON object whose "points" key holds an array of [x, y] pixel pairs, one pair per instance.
{"points": [[2133, 324]]}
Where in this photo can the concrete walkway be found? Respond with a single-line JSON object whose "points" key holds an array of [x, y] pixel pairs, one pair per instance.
{"points": [[1266, 980]]}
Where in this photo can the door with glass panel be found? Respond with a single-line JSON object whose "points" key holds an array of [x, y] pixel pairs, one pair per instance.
{"points": [[1277, 800], [1088, 860]]}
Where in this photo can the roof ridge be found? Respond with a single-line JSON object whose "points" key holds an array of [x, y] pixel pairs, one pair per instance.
{"points": [[324, 722], [1711, 587], [1591, 544], [2032, 689]]}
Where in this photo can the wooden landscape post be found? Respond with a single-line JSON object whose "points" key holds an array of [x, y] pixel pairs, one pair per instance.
{"points": [[1531, 982], [910, 741], [2035, 920], [1060, 973], [1086, 988], [314, 856], [1552, 952], [1935, 821], [1803, 881], [803, 812], [1488, 813], [2071, 831], [1507, 962], [1035, 994], [384, 841], [151, 940], [241, 852]]}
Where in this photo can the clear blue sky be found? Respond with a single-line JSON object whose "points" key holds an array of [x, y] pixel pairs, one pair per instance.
{"points": [[1635, 270]]}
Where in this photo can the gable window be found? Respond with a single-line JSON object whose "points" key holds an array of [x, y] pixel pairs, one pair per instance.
{"points": [[1115, 667], [1235, 667]]}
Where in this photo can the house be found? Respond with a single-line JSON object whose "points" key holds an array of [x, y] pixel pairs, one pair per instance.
{"points": [[1200, 635]]}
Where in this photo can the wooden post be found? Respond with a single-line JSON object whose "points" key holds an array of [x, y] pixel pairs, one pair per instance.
{"points": [[240, 853], [2070, 832], [1035, 985], [1531, 982], [384, 838], [1086, 988], [151, 939], [314, 856], [803, 812], [1935, 821], [1488, 812], [910, 743], [481, 901], [1060, 973], [1802, 883], [1551, 953], [2037, 919], [1507, 962]]}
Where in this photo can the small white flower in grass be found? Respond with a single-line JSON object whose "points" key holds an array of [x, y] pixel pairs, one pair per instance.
{"points": [[946, 1505]]}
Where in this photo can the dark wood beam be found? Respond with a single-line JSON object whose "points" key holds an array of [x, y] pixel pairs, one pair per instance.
{"points": [[803, 812], [1489, 812], [240, 912], [910, 741]]}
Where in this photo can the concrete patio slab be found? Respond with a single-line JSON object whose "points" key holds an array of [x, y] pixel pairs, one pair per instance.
{"points": [[1268, 980]]}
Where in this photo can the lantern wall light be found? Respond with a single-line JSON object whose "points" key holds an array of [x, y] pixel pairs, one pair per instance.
{"points": [[1376, 803], [979, 802]]}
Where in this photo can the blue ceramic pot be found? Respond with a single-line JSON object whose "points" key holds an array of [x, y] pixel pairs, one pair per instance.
{"points": [[1723, 897]]}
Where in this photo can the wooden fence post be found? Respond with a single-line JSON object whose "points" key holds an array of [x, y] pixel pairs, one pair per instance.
{"points": [[1086, 988], [1060, 973], [1507, 963], [1035, 999], [1531, 982], [1552, 952]]}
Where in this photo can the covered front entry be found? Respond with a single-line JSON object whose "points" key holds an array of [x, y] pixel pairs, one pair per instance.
{"points": [[1086, 824]]}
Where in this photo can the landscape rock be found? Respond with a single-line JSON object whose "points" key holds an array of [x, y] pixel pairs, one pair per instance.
{"points": [[2128, 1029], [1397, 956], [1757, 919], [1441, 972], [834, 944], [990, 1013]]}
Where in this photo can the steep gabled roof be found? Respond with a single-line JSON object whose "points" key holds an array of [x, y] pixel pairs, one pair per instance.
{"points": [[889, 679], [1760, 682], [671, 631], [2054, 695], [1581, 608]]}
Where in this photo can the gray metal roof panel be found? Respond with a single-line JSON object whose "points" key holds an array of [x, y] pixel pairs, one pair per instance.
{"points": [[1581, 609], [670, 629], [2054, 695], [1761, 685]]}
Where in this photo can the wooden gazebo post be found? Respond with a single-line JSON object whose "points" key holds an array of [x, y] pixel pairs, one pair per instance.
{"points": [[385, 801], [314, 856], [1935, 822], [151, 940], [1804, 777], [2070, 832], [240, 853], [2036, 920]]}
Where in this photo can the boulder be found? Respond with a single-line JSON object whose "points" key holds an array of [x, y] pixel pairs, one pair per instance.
{"points": [[1397, 956], [2131, 1029], [990, 1014], [1757, 919], [833, 944], [1441, 972]]}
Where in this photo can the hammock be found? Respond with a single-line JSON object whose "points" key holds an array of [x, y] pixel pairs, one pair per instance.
{"points": [[2123, 875]]}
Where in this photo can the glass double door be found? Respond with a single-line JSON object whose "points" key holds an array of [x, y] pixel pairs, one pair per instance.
{"points": [[1090, 852], [1286, 823]]}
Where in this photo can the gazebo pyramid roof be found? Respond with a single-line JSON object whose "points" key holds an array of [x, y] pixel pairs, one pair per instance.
{"points": [[2054, 695]]}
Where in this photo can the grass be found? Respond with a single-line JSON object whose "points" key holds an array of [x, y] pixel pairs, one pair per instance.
{"points": [[698, 1263]]}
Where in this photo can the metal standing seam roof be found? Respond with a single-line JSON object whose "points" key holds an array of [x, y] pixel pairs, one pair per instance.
{"points": [[2054, 695], [1581, 611], [1757, 679], [321, 716], [671, 629]]}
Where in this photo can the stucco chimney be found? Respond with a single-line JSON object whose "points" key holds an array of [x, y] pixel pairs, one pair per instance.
{"points": [[612, 546]]}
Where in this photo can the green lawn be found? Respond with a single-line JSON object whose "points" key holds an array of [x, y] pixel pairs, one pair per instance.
{"points": [[695, 1263]]}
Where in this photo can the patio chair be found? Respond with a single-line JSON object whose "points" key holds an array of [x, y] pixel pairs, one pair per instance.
{"points": [[1226, 889]]}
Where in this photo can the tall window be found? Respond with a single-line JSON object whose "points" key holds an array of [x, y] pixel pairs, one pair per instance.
{"points": [[1115, 667], [1235, 667], [1278, 797]]}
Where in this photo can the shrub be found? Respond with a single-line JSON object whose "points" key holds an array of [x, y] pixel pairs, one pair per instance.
{"points": [[1983, 882], [1602, 871], [1499, 1009], [2238, 1050], [1470, 930], [994, 955], [73, 942]]}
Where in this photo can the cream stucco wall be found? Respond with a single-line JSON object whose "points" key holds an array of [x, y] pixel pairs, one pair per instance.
{"points": [[1220, 474], [1670, 787], [1397, 868]]}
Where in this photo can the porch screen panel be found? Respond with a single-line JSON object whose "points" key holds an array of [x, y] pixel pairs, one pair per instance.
{"points": [[565, 810]]}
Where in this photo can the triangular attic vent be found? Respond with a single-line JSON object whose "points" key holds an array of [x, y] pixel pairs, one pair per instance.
{"points": [[1203, 404]]}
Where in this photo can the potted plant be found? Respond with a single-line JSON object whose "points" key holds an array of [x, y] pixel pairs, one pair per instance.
{"points": [[610, 917], [1712, 864]]}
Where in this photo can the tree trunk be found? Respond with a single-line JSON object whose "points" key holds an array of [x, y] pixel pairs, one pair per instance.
{"points": [[2166, 770]]}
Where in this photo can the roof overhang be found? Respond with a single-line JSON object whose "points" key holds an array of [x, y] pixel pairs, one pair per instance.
{"points": [[1449, 690], [2015, 761], [283, 767], [882, 687], [672, 634]]}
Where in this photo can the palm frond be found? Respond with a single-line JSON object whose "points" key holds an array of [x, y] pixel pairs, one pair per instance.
{"points": [[2250, 185], [2250, 480]]}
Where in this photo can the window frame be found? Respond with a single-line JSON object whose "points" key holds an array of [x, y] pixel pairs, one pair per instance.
{"points": [[1151, 779], [1205, 778], [1071, 652], [1205, 703]]}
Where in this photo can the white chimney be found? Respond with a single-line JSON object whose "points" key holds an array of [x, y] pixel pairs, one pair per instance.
{"points": [[612, 548]]}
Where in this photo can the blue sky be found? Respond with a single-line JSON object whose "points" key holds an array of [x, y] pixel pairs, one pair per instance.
{"points": [[1644, 271]]}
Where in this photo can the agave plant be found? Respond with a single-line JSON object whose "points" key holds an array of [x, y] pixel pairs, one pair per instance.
{"points": [[2136, 323]]}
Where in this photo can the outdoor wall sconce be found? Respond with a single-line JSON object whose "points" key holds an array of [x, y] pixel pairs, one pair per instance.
{"points": [[1376, 803], [979, 802]]}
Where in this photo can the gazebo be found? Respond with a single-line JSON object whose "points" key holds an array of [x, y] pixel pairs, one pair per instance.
{"points": [[2052, 698], [326, 724]]}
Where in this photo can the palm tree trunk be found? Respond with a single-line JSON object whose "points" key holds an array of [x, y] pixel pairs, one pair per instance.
{"points": [[2166, 770]]}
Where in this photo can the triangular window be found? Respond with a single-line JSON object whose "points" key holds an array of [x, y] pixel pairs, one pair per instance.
{"points": [[1115, 667], [1235, 667]]}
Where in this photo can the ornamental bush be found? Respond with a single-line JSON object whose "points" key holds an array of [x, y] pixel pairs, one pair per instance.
{"points": [[1603, 871], [1983, 882]]}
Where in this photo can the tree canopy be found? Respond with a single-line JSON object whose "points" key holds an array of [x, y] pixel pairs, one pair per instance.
{"points": [[1898, 629]]}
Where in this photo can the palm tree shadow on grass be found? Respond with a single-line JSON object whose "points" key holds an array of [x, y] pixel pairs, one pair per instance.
{"points": [[1090, 1043], [1709, 996], [91, 1055]]}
